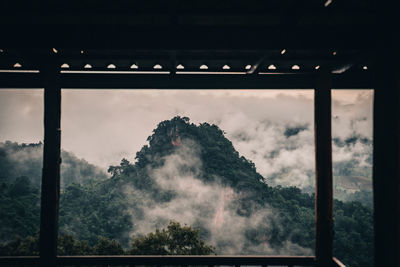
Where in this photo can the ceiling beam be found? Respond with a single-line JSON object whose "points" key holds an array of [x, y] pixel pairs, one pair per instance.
{"points": [[358, 80]]}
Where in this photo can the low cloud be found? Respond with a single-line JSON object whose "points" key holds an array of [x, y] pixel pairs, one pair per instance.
{"points": [[211, 207], [26, 160], [104, 126]]}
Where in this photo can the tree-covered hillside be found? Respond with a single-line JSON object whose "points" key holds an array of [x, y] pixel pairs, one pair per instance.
{"points": [[26, 160], [193, 175], [20, 180], [175, 239]]}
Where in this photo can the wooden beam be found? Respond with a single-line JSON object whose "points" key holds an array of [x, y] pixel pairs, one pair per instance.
{"points": [[20, 80], [338, 263], [254, 67], [231, 37], [51, 165], [239, 260], [359, 80], [206, 260], [323, 173], [386, 167]]}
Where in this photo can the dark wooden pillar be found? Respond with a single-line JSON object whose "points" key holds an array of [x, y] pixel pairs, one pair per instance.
{"points": [[323, 171], [51, 165], [386, 169]]}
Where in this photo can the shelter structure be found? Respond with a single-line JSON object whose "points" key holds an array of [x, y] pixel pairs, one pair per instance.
{"points": [[253, 44]]}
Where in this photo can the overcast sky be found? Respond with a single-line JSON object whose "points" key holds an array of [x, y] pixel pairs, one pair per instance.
{"points": [[104, 126]]}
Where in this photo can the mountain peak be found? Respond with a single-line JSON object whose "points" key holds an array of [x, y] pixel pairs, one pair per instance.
{"points": [[218, 156]]}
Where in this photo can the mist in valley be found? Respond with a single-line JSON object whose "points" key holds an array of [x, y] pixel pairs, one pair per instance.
{"points": [[272, 129]]}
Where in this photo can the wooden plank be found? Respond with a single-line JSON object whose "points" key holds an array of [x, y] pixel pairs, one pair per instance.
{"points": [[20, 80], [188, 260], [254, 68], [338, 263], [19, 260], [147, 36], [386, 167], [51, 166], [360, 80], [323, 173], [168, 260]]}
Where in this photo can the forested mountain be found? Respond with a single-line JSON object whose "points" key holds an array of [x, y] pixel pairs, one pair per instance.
{"points": [[190, 174], [26, 160], [20, 179]]}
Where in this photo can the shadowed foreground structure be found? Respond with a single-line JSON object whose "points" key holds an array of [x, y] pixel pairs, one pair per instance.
{"points": [[213, 45]]}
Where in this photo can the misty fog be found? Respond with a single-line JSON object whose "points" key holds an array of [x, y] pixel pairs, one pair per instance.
{"points": [[273, 128]]}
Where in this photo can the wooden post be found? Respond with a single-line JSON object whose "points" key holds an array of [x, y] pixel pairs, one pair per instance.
{"points": [[51, 165], [323, 171], [386, 167]]}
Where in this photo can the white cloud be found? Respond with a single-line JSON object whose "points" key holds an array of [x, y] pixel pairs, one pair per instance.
{"points": [[211, 206], [21, 115], [103, 126]]}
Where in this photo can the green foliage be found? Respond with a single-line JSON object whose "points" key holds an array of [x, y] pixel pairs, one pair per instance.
{"points": [[95, 210], [28, 246], [175, 240], [291, 131], [18, 160], [75, 170], [19, 209], [68, 245], [353, 233], [107, 246]]}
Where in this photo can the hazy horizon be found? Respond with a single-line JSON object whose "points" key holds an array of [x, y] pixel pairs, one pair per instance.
{"points": [[274, 129], [104, 126]]}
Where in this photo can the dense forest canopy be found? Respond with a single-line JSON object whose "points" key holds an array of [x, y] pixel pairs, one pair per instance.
{"points": [[26, 160], [175, 239], [188, 174]]}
